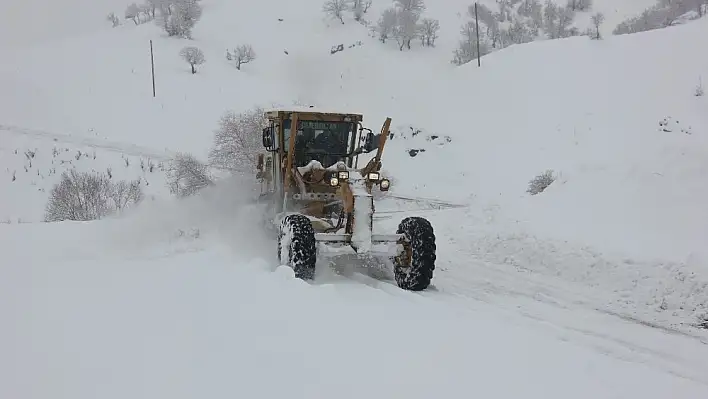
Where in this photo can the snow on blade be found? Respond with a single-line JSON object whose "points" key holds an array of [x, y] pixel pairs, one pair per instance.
{"points": [[363, 208]]}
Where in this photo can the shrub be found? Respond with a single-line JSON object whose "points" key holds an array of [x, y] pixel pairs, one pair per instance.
{"points": [[83, 196], [541, 182], [186, 175]]}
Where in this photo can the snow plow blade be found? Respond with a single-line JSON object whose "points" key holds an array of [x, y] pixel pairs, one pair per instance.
{"points": [[379, 245], [347, 238]]}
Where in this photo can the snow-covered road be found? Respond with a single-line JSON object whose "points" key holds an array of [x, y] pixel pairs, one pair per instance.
{"points": [[159, 305]]}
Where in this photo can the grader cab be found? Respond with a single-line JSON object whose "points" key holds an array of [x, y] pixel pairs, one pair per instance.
{"points": [[320, 201]]}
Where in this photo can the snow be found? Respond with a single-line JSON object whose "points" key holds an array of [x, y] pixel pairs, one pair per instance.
{"points": [[593, 288], [202, 317], [363, 208]]}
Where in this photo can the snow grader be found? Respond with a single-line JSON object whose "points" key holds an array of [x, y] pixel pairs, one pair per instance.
{"points": [[319, 202]]}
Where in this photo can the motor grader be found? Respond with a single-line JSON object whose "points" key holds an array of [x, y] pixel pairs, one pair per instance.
{"points": [[319, 201]]}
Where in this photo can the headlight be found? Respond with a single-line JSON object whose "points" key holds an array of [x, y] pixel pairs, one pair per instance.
{"points": [[344, 175], [384, 184], [373, 176], [333, 182]]}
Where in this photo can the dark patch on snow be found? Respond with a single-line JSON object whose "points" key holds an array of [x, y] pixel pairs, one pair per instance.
{"points": [[703, 323], [669, 125], [414, 152], [340, 47]]}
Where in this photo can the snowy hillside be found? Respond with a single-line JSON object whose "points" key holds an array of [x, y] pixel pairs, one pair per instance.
{"points": [[609, 259]]}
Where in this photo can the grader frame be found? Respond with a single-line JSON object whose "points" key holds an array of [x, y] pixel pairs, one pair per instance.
{"points": [[311, 180]]}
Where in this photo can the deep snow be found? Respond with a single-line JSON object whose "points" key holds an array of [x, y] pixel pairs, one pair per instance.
{"points": [[605, 270], [123, 308]]}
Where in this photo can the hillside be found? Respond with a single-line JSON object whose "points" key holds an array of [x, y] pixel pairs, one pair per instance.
{"points": [[609, 258]]}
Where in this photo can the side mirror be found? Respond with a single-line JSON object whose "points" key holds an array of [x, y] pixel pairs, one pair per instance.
{"points": [[371, 142], [267, 138]]}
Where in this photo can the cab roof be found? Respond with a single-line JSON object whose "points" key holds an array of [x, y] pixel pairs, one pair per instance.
{"points": [[313, 112]]}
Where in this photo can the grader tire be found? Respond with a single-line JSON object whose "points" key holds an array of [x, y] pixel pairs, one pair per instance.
{"points": [[413, 269], [297, 247]]}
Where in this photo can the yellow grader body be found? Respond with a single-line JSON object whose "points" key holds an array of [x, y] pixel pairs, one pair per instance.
{"points": [[320, 200]]}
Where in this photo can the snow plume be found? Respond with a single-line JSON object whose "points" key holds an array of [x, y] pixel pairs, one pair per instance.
{"points": [[225, 212]]}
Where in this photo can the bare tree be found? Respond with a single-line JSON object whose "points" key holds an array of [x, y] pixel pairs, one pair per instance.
{"points": [[597, 20], [536, 16], [359, 8], [186, 175], [113, 19], [152, 6], [664, 13], [243, 54], [133, 12], [565, 21], [551, 14], [125, 194], [366, 4], [238, 140], [526, 7], [407, 28], [429, 29], [178, 17], [517, 33], [146, 9], [467, 48], [490, 24], [335, 9], [413, 6], [387, 22], [579, 5], [193, 56]]}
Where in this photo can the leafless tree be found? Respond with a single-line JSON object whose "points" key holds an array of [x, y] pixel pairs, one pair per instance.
{"points": [[113, 19], [186, 175], [125, 194], [243, 54], [238, 140], [132, 12], [359, 8], [565, 21], [580, 5], [662, 14], [414, 6], [193, 56], [597, 20], [406, 29], [178, 17], [335, 9], [429, 29], [467, 48], [387, 22]]}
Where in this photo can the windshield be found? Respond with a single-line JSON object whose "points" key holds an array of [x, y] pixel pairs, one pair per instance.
{"points": [[326, 142]]}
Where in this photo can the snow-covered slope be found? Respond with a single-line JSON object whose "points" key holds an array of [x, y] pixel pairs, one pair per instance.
{"points": [[611, 257]]}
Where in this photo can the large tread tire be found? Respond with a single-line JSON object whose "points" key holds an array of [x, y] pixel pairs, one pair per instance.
{"points": [[413, 270], [298, 237]]}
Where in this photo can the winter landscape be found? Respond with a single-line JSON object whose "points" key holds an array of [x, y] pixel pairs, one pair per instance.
{"points": [[563, 170]]}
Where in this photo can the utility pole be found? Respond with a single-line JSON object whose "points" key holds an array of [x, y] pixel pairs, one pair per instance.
{"points": [[152, 62], [476, 23]]}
